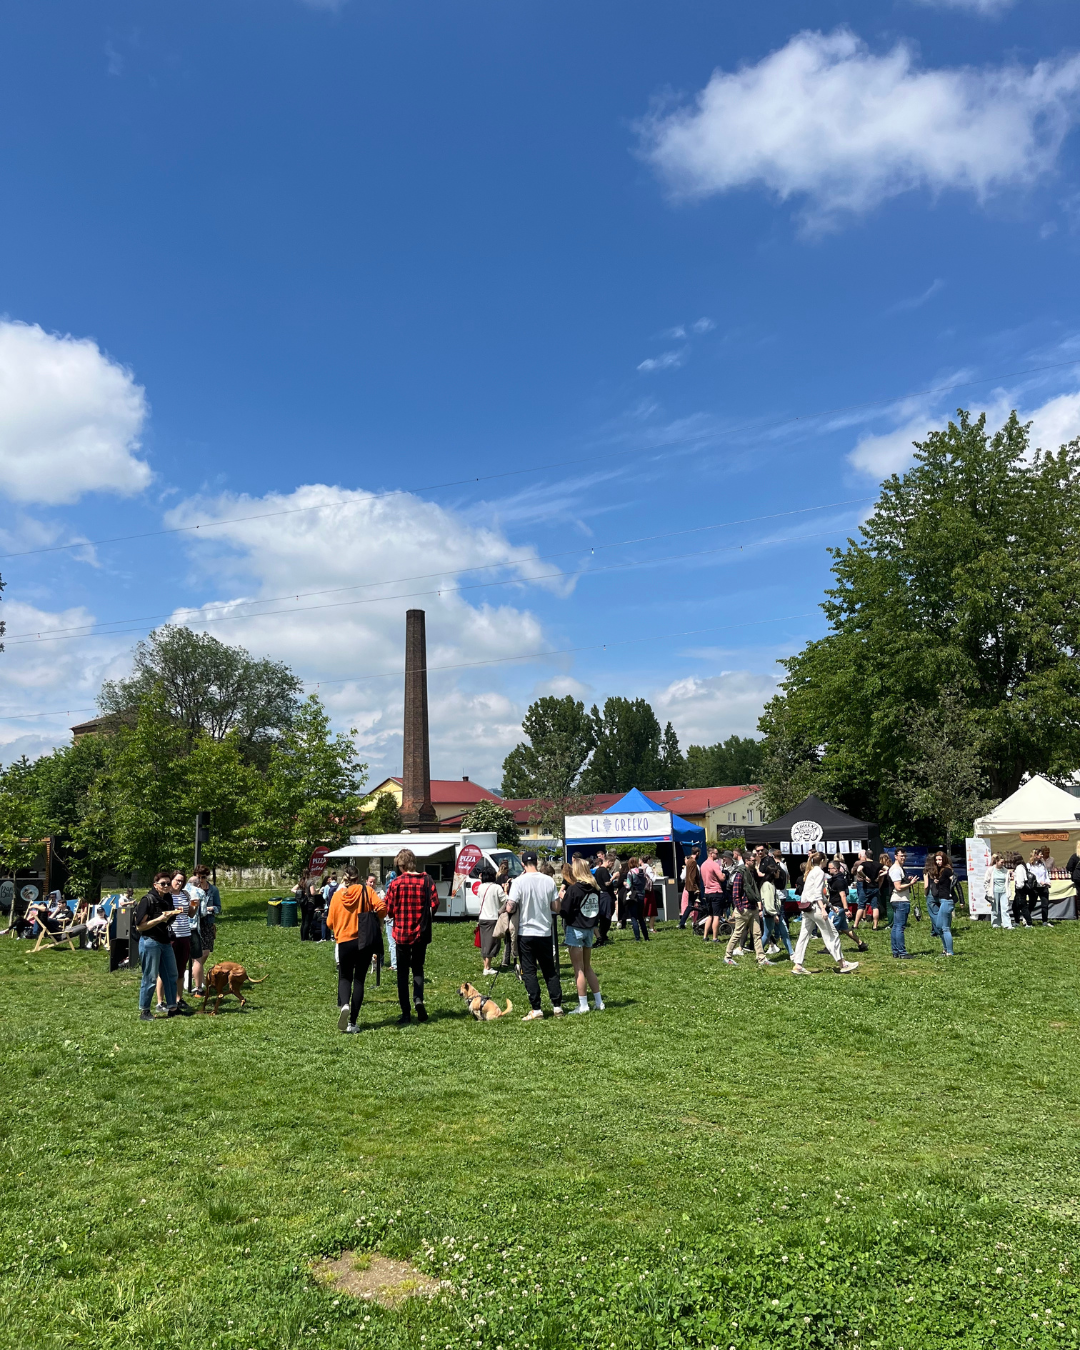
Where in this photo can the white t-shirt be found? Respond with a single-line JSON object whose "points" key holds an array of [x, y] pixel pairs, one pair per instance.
{"points": [[491, 897], [897, 873], [533, 893], [1042, 876]]}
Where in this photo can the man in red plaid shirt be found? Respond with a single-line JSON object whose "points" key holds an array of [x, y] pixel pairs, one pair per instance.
{"points": [[411, 900]]}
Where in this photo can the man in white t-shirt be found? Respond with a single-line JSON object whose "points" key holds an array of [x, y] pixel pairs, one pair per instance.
{"points": [[900, 899], [534, 899]]}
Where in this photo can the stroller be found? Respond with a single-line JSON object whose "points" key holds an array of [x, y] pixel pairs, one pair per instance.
{"points": [[696, 915]]}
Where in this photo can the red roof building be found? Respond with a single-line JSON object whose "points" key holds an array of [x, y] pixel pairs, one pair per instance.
{"points": [[449, 796]]}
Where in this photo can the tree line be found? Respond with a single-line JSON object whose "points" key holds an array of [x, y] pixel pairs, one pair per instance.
{"points": [[198, 726]]}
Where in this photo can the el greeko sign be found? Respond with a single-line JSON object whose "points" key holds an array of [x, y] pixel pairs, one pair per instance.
{"points": [[648, 826]]}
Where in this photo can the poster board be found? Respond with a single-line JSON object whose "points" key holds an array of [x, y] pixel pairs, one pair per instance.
{"points": [[978, 876]]}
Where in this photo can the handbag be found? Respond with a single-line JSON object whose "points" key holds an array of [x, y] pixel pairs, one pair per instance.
{"points": [[502, 926], [476, 936]]}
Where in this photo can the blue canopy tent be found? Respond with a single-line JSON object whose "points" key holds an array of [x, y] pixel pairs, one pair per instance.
{"points": [[675, 837]]}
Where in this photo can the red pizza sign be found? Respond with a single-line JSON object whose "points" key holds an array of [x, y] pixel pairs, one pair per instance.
{"points": [[317, 862], [469, 857]]}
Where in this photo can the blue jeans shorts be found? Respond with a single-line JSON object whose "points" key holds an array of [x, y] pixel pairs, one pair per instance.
{"points": [[579, 937]]}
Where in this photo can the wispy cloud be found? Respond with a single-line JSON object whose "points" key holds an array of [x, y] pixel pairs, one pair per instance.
{"points": [[917, 301], [665, 361]]}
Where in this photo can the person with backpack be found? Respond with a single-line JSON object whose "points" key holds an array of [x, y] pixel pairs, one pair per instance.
{"points": [[637, 883], [355, 911], [746, 894], [411, 901], [938, 879], [580, 910]]}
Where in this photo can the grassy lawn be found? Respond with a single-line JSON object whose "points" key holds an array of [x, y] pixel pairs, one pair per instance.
{"points": [[723, 1158]]}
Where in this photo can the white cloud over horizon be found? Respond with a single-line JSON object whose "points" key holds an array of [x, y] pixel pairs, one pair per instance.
{"points": [[826, 120], [705, 709], [70, 419], [1054, 423]]}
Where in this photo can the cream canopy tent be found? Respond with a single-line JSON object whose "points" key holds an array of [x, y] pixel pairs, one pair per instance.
{"points": [[1037, 813]]}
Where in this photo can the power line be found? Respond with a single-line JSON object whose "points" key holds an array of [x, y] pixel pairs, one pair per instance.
{"points": [[493, 661], [98, 628], [592, 457], [456, 590]]}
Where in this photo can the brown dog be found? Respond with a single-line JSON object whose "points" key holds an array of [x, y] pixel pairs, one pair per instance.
{"points": [[227, 977], [484, 1009]]}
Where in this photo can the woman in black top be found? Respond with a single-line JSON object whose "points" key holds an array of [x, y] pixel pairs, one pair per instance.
{"points": [[580, 908], [938, 879]]}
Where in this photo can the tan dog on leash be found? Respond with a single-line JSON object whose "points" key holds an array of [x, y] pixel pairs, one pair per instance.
{"points": [[484, 1009], [227, 977]]}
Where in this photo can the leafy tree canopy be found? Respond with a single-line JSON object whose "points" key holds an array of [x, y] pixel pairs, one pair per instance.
{"points": [[966, 578], [384, 817], [561, 738], [628, 748], [208, 687], [487, 815], [728, 763]]}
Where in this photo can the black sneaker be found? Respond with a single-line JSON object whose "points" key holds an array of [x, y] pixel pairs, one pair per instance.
{"points": [[421, 1013], [145, 1015], [404, 1019]]}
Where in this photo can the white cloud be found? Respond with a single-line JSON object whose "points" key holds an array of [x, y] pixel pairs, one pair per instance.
{"points": [[826, 120], [705, 325], [352, 538], [979, 6], [49, 676], [1054, 423], [665, 361], [70, 419], [707, 709], [917, 301]]}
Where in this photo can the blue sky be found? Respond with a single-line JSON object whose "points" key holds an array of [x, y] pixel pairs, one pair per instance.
{"points": [[497, 288]]}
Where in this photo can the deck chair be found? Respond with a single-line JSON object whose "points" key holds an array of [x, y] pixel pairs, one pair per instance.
{"points": [[65, 937]]}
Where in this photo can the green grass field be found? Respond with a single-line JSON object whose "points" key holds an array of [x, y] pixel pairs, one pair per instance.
{"points": [[722, 1158]]}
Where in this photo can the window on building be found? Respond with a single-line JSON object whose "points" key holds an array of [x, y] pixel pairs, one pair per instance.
{"points": [[750, 817]]}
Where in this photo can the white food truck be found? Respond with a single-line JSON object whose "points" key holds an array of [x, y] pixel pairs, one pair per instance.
{"points": [[437, 854]]}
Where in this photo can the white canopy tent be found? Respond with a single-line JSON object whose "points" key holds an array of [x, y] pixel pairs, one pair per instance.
{"points": [[1038, 813]]}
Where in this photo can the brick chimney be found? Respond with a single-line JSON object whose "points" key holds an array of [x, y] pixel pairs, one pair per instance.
{"points": [[417, 812]]}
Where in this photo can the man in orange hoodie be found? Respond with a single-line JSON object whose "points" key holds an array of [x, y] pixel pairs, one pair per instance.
{"points": [[354, 919]]}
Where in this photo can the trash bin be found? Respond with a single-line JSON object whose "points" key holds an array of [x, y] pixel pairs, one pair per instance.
{"points": [[273, 913], [288, 913]]}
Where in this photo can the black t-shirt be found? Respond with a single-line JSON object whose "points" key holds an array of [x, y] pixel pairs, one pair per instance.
{"points": [[580, 906], [149, 907], [838, 885], [603, 879], [871, 871]]}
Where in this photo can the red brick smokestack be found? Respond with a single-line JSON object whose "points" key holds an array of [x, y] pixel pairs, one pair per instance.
{"points": [[417, 812]]}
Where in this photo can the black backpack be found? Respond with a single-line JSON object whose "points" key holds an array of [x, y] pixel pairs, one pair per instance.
{"points": [[638, 883]]}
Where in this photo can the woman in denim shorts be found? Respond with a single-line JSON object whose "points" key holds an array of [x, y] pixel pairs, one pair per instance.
{"points": [[580, 910]]}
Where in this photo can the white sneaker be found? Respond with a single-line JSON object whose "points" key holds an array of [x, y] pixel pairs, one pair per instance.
{"points": [[764, 961], [578, 1009], [560, 1011], [351, 1029], [738, 952], [343, 1017], [599, 1007], [771, 949], [800, 970], [846, 967], [533, 1015]]}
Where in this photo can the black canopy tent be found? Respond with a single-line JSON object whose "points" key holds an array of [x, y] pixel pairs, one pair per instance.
{"points": [[813, 824]]}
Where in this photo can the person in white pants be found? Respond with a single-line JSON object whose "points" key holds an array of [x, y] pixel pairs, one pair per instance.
{"points": [[815, 919]]}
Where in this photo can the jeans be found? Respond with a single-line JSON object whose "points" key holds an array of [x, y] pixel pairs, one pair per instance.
{"points": [[900, 911], [354, 962], [388, 926], [817, 921], [1021, 906], [637, 919], [1044, 902], [749, 921], [538, 951], [410, 956], [157, 959], [933, 904], [944, 922], [999, 910], [776, 929]]}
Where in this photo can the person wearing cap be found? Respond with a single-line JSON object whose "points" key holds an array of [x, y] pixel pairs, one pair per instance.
{"points": [[534, 900]]}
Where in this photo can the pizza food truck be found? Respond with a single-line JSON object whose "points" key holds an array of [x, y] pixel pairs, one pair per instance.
{"points": [[438, 855]]}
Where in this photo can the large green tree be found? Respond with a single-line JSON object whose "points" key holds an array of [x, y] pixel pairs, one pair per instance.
{"points": [[208, 687], [728, 763], [487, 815], [965, 577], [628, 748], [561, 738], [311, 792]]}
